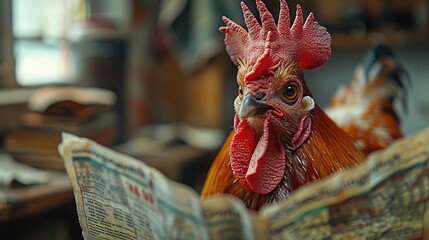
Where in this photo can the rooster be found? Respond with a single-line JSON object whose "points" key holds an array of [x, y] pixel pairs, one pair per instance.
{"points": [[281, 138]]}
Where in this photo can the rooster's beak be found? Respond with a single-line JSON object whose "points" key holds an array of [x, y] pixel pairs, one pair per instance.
{"points": [[251, 107]]}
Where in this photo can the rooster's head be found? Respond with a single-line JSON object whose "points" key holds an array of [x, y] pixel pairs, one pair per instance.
{"points": [[273, 106]]}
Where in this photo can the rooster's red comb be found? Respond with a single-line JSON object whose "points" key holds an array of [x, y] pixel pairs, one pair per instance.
{"points": [[265, 47]]}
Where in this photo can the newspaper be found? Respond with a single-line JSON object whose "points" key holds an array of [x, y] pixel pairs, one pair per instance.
{"points": [[118, 197]]}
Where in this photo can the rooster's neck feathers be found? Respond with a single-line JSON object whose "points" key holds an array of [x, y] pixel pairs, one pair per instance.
{"points": [[330, 145], [328, 149]]}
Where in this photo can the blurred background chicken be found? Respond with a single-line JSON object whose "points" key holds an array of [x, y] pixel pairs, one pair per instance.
{"points": [[365, 109], [282, 139]]}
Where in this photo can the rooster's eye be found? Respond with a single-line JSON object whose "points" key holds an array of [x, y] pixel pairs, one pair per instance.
{"points": [[291, 92]]}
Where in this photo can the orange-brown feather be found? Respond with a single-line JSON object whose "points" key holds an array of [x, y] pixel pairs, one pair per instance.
{"points": [[220, 173], [329, 149], [378, 127]]}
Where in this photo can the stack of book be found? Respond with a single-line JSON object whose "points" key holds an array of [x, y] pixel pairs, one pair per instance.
{"points": [[85, 112]]}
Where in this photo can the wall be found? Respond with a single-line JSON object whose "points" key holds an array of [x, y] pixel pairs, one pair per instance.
{"points": [[6, 57]]}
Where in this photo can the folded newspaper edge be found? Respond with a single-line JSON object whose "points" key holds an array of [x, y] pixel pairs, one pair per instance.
{"points": [[118, 197]]}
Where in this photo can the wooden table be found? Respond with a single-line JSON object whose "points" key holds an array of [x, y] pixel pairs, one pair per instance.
{"points": [[27, 201], [40, 212]]}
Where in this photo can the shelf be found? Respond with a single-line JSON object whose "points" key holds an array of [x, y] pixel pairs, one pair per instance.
{"points": [[397, 38]]}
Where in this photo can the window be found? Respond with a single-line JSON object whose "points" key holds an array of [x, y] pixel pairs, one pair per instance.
{"points": [[41, 49]]}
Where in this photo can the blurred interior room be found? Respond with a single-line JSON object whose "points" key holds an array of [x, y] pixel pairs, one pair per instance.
{"points": [[152, 79]]}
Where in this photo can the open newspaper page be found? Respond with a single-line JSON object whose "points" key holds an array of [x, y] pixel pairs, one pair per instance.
{"points": [[118, 197], [385, 198], [228, 218]]}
